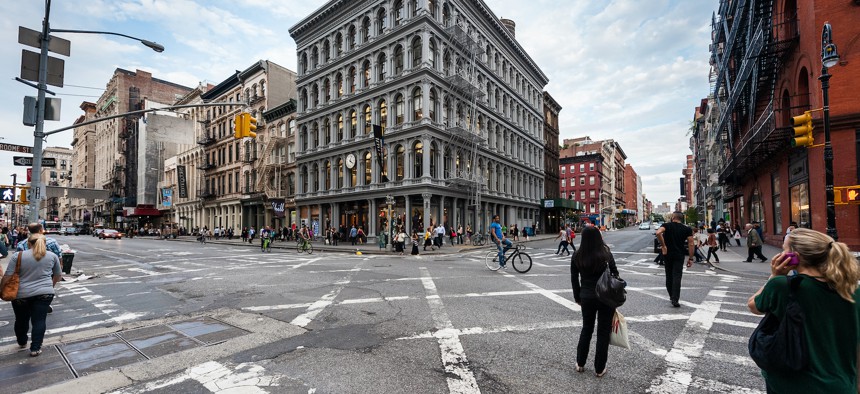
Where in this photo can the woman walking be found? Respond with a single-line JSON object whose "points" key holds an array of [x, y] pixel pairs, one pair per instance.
{"points": [[39, 272], [586, 267], [712, 246], [414, 243], [827, 294]]}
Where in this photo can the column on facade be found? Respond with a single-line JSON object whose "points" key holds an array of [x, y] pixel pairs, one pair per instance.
{"points": [[425, 159], [372, 217], [426, 199], [408, 222]]}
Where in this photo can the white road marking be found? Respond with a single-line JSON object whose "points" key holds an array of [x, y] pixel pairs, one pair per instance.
{"points": [[688, 346], [735, 323], [713, 386], [728, 337], [217, 378], [315, 308], [744, 361], [453, 356]]}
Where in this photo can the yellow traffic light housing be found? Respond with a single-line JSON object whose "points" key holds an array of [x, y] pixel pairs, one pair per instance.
{"points": [[244, 125], [851, 192], [802, 130], [23, 198]]}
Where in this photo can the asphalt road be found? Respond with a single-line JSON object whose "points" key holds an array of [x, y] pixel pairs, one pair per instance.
{"points": [[342, 323]]}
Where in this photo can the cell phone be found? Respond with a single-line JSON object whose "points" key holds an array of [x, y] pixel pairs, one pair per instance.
{"points": [[792, 258]]}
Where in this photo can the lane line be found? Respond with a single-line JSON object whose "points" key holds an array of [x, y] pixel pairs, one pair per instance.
{"points": [[315, 308], [453, 356], [687, 348]]}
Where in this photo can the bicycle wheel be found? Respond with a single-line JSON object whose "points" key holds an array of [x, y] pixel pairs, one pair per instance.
{"points": [[299, 247], [522, 263], [492, 260], [310, 248]]}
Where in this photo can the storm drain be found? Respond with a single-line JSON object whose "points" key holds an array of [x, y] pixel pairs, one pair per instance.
{"points": [[72, 360]]}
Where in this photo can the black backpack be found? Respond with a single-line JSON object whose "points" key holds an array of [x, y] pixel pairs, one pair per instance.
{"points": [[780, 345], [610, 289]]}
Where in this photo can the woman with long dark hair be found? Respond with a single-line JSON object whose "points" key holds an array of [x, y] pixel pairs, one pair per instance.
{"points": [[586, 266]]}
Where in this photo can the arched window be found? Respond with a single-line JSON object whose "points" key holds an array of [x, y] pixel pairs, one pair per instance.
{"points": [[338, 44], [413, 8], [303, 139], [368, 168], [399, 164], [368, 120], [417, 107], [263, 88], [315, 96], [339, 127], [431, 5], [338, 80], [353, 124], [398, 60], [315, 130], [326, 91], [291, 184], [381, 67], [434, 54], [398, 12], [417, 160], [382, 115], [399, 110], [365, 81], [416, 52], [350, 38], [316, 176], [339, 174], [305, 180], [433, 160], [381, 21], [327, 175], [315, 57], [327, 131], [365, 30], [326, 52], [303, 63], [446, 15], [350, 80], [303, 100], [434, 105], [446, 63]]}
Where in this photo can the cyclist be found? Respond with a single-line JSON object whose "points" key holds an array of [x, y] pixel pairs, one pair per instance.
{"points": [[266, 238], [498, 237], [305, 236]]}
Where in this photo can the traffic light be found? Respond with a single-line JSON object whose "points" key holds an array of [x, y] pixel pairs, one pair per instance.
{"points": [[245, 125], [23, 199], [802, 130], [852, 192]]}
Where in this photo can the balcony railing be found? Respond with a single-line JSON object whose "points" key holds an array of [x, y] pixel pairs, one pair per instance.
{"points": [[205, 140], [205, 193], [249, 158], [206, 166]]}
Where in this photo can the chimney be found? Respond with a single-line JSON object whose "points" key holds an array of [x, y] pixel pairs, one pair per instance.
{"points": [[510, 25]]}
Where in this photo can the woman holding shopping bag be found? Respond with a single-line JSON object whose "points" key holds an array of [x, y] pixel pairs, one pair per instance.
{"points": [[586, 266]]}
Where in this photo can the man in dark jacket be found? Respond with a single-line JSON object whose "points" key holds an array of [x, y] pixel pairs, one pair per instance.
{"points": [[754, 244], [677, 241]]}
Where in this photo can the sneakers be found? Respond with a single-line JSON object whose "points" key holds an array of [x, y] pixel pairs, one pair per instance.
{"points": [[503, 267], [50, 309], [763, 260], [36, 353], [676, 304]]}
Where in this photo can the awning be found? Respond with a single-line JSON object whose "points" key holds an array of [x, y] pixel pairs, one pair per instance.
{"points": [[139, 212], [562, 203]]}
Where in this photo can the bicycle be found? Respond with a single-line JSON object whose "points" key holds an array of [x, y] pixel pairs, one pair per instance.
{"points": [[305, 246], [478, 240], [518, 259]]}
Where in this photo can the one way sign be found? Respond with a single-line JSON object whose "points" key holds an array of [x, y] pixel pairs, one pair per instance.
{"points": [[28, 161]]}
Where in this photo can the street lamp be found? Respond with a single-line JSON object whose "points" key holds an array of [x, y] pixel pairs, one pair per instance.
{"points": [[38, 134], [829, 58]]}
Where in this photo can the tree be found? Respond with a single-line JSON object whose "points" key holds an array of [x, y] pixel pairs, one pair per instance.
{"points": [[692, 215]]}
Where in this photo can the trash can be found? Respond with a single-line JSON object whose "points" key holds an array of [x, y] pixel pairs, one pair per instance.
{"points": [[67, 262]]}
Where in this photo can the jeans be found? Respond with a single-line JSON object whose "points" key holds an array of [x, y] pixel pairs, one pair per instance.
{"points": [[712, 250], [31, 309], [592, 308], [504, 250], [674, 267], [562, 245]]}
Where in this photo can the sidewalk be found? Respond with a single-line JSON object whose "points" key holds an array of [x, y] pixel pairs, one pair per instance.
{"points": [[346, 247], [732, 260]]}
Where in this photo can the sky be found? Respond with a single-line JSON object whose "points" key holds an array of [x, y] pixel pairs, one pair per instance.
{"points": [[629, 70]]}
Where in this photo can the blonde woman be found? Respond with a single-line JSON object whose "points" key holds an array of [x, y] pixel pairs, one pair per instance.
{"points": [[39, 273], [828, 296]]}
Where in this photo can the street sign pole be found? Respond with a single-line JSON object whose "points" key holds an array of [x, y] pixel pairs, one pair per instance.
{"points": [[38, 135]]}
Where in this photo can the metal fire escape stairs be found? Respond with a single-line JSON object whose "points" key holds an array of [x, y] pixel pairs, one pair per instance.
{"points": [[463, 135], [271, 163]]}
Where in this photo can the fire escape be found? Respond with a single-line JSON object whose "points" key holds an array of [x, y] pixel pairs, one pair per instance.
{"points": [[461, 129], [748, 50]]}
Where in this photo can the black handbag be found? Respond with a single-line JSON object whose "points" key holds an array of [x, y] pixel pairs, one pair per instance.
{"points": [[780, 345], [610, 289]]}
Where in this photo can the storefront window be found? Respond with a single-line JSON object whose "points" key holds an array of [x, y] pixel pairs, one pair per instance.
{"points": [[757, 209], [800, 205], [777, 207]]}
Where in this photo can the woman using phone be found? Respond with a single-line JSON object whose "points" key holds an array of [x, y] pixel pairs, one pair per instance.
{"points": [[828, 296]]}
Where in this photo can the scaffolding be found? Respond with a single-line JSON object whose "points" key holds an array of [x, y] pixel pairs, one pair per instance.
{"points": [[749, 45], [462, 132]]}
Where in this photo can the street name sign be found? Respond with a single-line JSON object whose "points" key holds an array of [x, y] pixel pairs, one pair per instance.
{"points": [[28, 161], [16, 148]]}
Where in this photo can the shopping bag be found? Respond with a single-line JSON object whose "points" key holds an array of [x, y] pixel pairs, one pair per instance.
{"points": [[618, 336]]}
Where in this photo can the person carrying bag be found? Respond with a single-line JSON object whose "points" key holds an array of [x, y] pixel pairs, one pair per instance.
{"points": [[808, 340]]}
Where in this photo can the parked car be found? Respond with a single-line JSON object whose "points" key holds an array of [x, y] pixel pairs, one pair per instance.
{"points": [[68, 231], [108, 233]]}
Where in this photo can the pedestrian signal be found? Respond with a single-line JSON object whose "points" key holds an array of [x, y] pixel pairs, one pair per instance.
{"points": [[845, 195]]}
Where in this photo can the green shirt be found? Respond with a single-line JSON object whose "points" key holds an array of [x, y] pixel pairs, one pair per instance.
{"points": [[832, 331]]}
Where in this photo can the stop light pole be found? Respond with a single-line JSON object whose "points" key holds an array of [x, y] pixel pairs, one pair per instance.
{"points": [[829, 58]]}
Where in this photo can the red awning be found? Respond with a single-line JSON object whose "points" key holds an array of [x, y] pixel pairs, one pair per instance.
{"points": [[133, 212]]}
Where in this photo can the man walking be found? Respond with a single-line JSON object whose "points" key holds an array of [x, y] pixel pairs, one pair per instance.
{"points": [[754, 244], [673, 237], [562, 246]]}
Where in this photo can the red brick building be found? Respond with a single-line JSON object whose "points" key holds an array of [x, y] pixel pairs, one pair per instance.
{"points": [[631, 195], [764, 178]]}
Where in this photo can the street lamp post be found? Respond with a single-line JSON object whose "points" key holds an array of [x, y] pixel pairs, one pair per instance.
{"points": [[38, 134], [829, 58]]}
